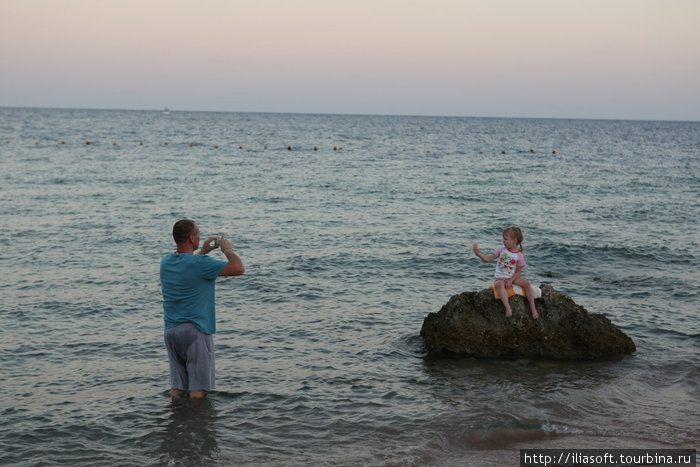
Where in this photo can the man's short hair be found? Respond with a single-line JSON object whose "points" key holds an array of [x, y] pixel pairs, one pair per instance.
{"points": [[182, 230]]}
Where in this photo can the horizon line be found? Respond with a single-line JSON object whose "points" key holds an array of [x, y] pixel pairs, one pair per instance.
{"points": [[171, 110]]}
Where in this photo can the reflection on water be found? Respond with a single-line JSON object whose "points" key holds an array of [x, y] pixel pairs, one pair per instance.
{"points": [[505, 402], [188, 437], [541, 376]]}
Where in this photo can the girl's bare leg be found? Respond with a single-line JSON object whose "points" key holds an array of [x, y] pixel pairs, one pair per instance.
{"points": [[525, 284], [501, 289]]}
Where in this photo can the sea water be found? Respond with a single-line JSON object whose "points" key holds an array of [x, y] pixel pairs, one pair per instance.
{"points": [[352, 230]]}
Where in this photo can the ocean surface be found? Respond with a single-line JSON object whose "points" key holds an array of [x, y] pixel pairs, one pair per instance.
{"points": [[352, 230]]}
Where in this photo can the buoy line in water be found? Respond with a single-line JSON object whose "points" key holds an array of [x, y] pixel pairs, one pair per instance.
{"points": [[192, 145], [266, 147]]}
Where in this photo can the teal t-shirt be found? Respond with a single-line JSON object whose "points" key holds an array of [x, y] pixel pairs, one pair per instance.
{"points": [[187, 282]]}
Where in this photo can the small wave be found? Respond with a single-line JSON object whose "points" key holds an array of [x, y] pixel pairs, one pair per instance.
{"points": [[559, 429], [676, 334], [411, 345]]}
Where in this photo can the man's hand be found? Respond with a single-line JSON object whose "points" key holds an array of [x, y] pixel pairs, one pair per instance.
{"points": [[225, 244], [208, 245]]}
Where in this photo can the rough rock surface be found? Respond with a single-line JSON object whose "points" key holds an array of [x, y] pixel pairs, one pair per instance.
{"points": [[474, 323]]}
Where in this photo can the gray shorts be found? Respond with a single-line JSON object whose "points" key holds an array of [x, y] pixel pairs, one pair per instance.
{"points": [[191, 357]]}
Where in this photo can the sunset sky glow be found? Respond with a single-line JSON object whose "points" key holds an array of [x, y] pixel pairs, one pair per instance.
{"points": [[627, 59]]}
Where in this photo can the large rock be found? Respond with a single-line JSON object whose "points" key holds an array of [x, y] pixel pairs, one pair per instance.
{"points": [[474, 323]]}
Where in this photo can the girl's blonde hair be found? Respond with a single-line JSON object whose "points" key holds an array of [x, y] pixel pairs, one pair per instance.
{"points": [[516, 233]]}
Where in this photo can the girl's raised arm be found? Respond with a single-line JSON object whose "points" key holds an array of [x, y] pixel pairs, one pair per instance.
{"points": [[484, 258]]}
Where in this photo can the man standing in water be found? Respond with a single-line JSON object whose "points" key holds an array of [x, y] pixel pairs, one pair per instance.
{"points": [[187, 281]]}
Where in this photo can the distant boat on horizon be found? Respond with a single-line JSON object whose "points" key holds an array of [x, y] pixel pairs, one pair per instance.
{"points": [[166, 111]]}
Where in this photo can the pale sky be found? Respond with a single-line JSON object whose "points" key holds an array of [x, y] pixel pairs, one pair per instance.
{"points": [[627, 59]]}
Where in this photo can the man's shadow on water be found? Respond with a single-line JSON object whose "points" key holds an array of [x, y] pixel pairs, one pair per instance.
{"points": [[188, 438]]}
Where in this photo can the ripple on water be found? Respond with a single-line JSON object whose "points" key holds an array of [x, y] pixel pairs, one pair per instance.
{"points": [[319, 357]]}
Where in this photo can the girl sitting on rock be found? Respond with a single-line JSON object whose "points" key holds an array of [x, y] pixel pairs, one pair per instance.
{"points": [[509, 266]]}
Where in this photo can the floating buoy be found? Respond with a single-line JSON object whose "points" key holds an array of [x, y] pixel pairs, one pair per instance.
{"points": [[554, 152], [289, 148], [315, 148], [335, 148]]}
